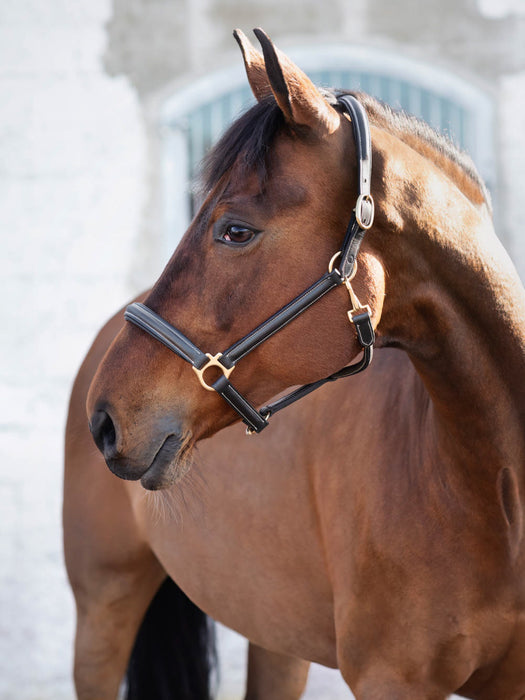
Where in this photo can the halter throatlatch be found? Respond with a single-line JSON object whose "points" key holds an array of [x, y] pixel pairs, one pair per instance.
{"points": [[361, 220]]}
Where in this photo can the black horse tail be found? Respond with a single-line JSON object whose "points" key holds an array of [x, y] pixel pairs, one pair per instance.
{"points": [[174, 656]]}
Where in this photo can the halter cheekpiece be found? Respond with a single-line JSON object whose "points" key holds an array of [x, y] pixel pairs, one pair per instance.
{"points": [[361, 220]]}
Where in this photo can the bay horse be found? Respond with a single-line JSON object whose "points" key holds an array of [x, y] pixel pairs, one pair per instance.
{"points": [[377, 525], [115, 576]]}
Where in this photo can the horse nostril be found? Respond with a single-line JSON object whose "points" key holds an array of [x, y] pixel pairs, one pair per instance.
{"points": [[104, 434]]}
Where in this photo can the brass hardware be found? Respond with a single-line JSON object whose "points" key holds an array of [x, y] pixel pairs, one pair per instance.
{"points": [[357, 307], [331, 267], [356, 304], [355, 312], [213, 361], [364, 218], [252, 431], [332, 261]]}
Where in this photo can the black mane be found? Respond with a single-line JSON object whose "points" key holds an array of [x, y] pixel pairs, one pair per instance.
{"points": [[248, 139]]}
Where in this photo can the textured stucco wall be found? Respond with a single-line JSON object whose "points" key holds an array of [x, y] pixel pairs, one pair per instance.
{"points": [[71, 189], [159, 42], [511, 145], [80, 221]]}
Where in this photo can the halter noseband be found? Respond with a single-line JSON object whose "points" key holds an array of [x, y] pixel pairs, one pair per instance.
{"points": [[361, 220]]}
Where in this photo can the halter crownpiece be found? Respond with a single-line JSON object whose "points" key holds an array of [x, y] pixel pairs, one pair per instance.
{"points": [[361, 220]]}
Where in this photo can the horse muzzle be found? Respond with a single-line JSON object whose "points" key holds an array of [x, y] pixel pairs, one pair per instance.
{"points": [[155, 469]]}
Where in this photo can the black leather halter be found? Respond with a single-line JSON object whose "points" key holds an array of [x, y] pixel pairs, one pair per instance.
{"points": [[361, 220]]}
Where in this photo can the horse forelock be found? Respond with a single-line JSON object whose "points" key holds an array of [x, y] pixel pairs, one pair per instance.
{"points": [[246, 143]]}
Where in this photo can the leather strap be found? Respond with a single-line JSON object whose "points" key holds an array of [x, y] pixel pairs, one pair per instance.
{"points": [[366, 337], [363, 214], [281, 318], [254, 420], [306, 389], [177, 342], [143, 317], [361, 219]]}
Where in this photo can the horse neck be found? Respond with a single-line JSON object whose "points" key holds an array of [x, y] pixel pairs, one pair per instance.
{"points": [[455, 304]]}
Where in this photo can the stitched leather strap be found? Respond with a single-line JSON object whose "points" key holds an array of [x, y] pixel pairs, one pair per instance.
{"points": [[366, 336], [306, 389], [168, 335], [254, 420], [363, 214], [177, 342], [281, 318], [361, 220]]}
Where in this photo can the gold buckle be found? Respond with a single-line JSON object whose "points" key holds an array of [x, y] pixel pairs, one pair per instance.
{"points": [[356, 304], [364, 215], [349, 277], [332, 262], [357, 307], [213, 361], [252, 431]]}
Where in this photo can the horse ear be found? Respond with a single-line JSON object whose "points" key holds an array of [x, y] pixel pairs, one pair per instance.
{"points": [[255, 68], [300, 101]]}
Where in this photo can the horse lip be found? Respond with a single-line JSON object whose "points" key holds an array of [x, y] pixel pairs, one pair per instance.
{"points": [[152, 479], [121, 468]]}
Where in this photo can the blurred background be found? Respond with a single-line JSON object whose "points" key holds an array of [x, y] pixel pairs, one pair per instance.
{"points": [[106, 108]]}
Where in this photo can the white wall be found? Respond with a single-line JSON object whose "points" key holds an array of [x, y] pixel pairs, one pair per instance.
{"points": [[511, 142], [71, 190]]}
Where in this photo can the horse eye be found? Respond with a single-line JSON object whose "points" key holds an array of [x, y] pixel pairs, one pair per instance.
{"points": [[237, 235]]}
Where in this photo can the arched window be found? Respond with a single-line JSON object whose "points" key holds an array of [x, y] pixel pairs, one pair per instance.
{"points": [[193, 118]]}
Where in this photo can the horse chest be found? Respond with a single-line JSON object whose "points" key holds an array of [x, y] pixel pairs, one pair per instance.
{"points": [[248, 550]]}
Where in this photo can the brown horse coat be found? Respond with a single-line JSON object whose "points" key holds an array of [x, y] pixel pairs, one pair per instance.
{"points": [[377, 526]]}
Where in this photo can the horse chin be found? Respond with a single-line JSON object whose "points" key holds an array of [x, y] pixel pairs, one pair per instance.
{"points": [[171, 463]]}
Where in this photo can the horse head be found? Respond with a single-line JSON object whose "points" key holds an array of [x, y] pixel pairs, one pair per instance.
{"points": [[278, 192]]}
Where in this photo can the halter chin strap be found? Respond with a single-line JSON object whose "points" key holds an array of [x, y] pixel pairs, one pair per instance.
{"points": [[361, 220]]}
